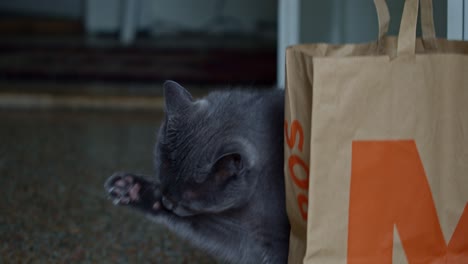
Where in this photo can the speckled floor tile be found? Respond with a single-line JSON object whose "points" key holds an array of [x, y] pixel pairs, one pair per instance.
{"points": [[54, 209]]}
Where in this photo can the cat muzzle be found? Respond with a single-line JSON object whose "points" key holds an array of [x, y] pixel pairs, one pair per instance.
{"points": [[176, 208]]}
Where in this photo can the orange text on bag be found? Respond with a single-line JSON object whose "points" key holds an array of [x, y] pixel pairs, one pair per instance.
{"points": [[389, 188], [294, 161]]}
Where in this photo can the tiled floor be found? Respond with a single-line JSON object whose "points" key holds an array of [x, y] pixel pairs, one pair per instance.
{"points": [[54, 210]]}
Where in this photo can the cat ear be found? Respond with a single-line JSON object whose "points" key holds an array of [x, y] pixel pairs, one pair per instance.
{"points": [[176, 97], [227, 167]]}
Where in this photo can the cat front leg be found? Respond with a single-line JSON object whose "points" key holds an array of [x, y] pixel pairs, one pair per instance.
{"points": [[217, 235], [137, 191]]}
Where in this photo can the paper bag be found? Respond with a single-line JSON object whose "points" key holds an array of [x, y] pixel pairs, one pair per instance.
{"points": [[376, 147]]}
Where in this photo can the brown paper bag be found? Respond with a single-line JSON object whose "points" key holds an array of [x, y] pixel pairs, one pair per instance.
{"points": [[376, 147]]}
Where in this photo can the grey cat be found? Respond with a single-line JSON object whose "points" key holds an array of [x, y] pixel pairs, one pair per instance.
{"points": [[219, 174]]}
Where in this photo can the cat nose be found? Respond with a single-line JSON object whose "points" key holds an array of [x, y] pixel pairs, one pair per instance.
{"points": [[168, 203]]}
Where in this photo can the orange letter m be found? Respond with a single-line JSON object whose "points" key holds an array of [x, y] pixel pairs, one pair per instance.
{"points": [[389, 188]]}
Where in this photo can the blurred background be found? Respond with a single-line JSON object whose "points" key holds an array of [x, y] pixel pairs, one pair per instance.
{"points": [[81, 97]]}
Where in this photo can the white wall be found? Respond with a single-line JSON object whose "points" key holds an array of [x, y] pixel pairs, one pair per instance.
{"points": [[457, 24], [197, 15], [321, 21], [104, 15], [163, 16]]}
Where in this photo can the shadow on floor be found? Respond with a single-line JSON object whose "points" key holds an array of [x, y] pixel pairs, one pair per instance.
{"points": [[54, 210]]}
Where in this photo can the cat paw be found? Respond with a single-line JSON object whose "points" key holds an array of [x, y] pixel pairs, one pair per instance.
{"points": [[134, 190], [123, 189]]}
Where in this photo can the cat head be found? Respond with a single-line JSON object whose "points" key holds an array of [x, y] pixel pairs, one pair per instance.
{"points": [[203, 163]]}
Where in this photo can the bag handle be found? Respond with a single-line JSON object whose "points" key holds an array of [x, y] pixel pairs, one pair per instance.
{"points": [[383, 17], [427, 23], [407, 35]]}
